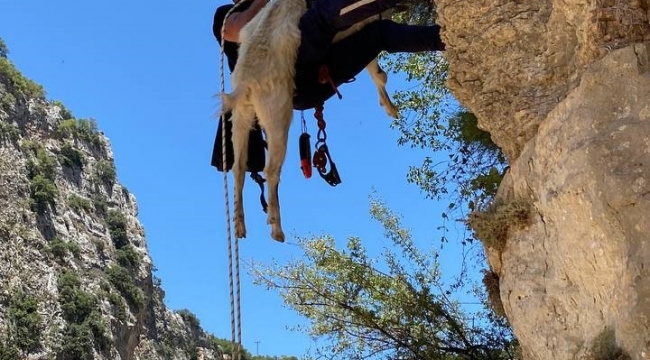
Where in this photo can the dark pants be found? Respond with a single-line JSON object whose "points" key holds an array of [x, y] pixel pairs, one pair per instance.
{"points": [[348, 57]]}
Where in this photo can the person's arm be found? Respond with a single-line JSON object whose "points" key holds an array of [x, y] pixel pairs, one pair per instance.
{"points": [[237, 20]]}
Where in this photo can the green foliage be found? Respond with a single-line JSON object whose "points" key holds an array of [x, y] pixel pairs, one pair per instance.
{"points": [[41, 168], [89, 132], [68, 280], [82, 129], [25, 321], [123, 281], [9, 131], [190, 319], [30, 147], [226, 346], [128, 257], [165, 348], [403, 311], [60, 249], [116, 222], [99, 246], [77, 342], [168, 347], [67, 129], [71, 157], [65, 113], [79, 204], [105, 172], [42, 193], [99, 330], [119, 308], [18, 83], [465, 167], [39, 161], [99, 203], [86, 328], [471, 172], [76, 304], [4, 50], [8, 351], [492, 224], [7, 102]]}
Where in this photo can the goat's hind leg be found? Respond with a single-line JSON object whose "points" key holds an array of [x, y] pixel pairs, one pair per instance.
{"points": [[241, 126], [276, 121], [379, 77]]}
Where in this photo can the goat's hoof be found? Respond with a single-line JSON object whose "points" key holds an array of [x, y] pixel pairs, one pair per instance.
{"points": [[391, 110], [277, 235], [240, 229]]}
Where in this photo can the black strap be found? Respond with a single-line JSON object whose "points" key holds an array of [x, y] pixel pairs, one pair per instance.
{"points": [[260, 181]]}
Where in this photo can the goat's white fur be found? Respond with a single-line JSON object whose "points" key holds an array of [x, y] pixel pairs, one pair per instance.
{"points": [[263, 87]]}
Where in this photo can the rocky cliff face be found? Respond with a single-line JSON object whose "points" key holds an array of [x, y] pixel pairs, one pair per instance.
{"points": [[75, 276], [564, 89]]}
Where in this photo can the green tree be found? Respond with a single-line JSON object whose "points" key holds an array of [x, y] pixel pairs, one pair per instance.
{"points": [[77, 342], [8, 351], [128, 257], [190, 319], [4, 50], [25, 321], [39, 161], [116, 222], [465, 167], [70, 156], [124, 282], [226, 347], [403, 311], [85, 328], [42, 192], [18, 85], [105, 172]]}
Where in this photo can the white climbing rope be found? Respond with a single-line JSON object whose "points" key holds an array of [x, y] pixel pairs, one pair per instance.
{"points": [[235, 303]]}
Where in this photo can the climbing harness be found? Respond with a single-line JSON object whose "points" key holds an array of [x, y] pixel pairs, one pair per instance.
{"points": [[325, 78], [305, 148], [322, 154]]}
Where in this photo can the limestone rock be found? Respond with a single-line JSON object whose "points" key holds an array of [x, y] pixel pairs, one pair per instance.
{"points": [[581, 268], [70, 241], [512, 62], [564, 89]]}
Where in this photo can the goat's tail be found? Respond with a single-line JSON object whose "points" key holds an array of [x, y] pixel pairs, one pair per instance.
{"points": [[229, 101]]}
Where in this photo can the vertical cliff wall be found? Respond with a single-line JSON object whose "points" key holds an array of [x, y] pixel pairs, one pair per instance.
{"points": [[75, 274], [564, 89]]}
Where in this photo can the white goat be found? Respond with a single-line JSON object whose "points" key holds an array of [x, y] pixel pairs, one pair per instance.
{"points": [[263, 87]]}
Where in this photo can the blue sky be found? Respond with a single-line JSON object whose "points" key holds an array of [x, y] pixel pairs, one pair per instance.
{"points": [[147, 72]]}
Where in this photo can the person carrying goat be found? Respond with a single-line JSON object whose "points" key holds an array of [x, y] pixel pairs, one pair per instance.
{"points": [[290, 61], [318, 26]]}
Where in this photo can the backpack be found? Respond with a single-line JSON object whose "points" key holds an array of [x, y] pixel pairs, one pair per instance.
{"points": [[256, 148], [256, 153]]}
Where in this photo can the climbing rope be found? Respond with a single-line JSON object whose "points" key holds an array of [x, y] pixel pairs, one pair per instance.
{"points": [[235, 303]]}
